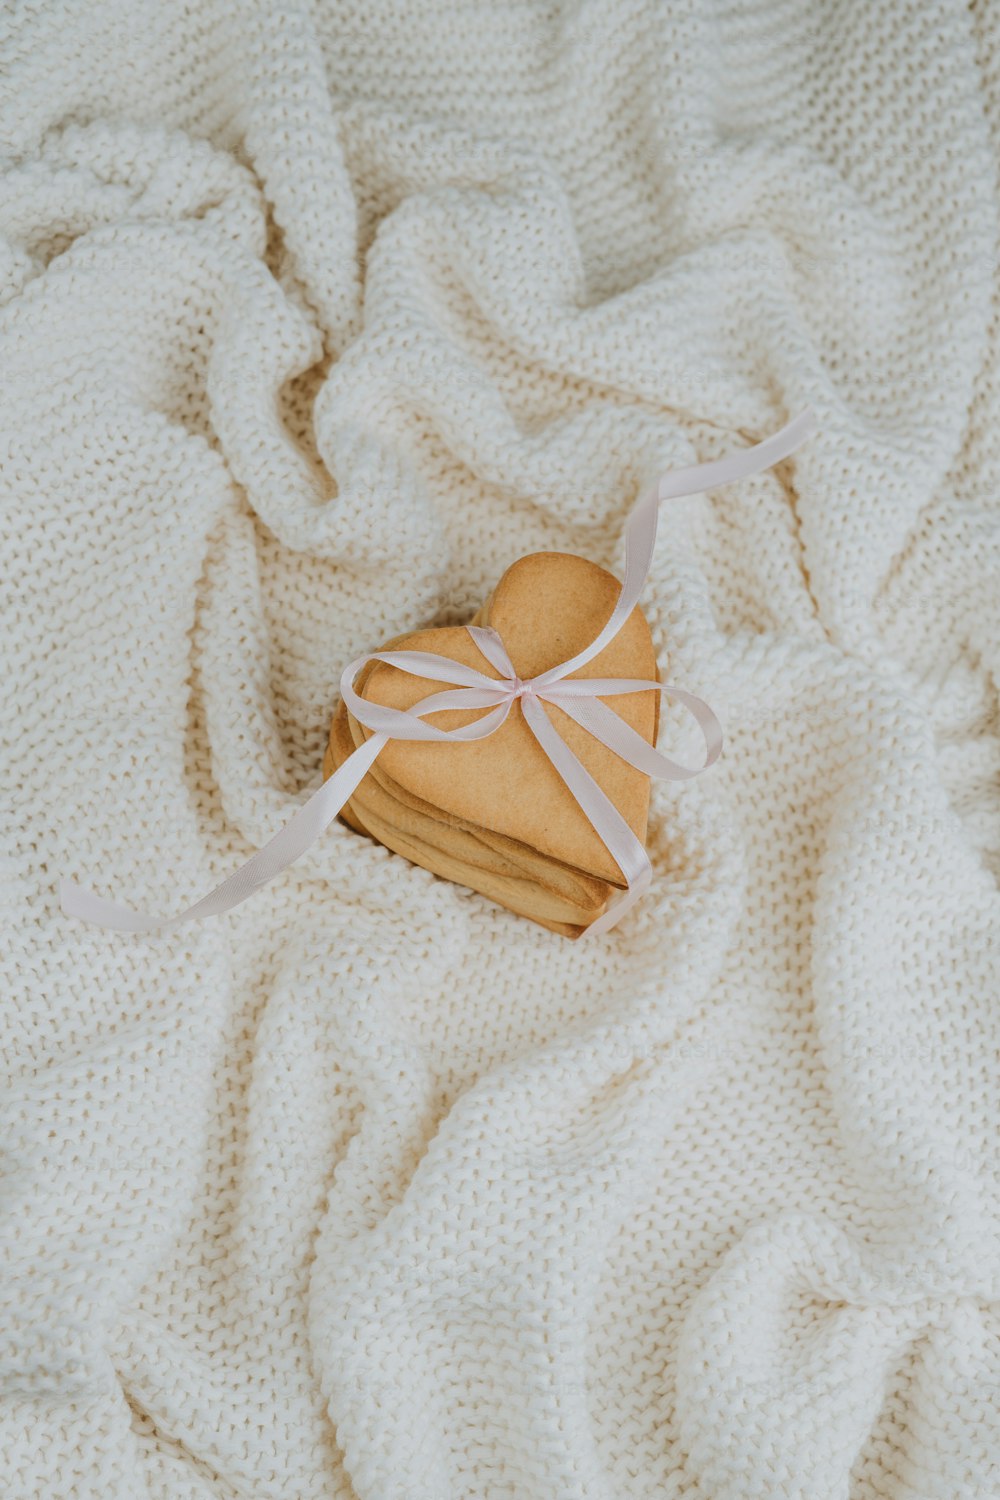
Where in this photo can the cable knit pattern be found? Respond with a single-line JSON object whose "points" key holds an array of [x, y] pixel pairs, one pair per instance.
{"points": [[313, 317]]}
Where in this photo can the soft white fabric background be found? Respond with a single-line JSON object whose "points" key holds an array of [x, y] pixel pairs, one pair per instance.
{"points": [[313, 320]]}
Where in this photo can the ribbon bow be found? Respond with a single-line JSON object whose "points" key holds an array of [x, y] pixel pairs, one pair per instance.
{"points": [[579, 697]]}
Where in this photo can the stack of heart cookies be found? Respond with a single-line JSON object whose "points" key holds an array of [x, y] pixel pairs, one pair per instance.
{"points": [[494, 814]]}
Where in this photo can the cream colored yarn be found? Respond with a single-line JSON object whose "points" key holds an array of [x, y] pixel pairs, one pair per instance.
{"points": [[313, 318]]}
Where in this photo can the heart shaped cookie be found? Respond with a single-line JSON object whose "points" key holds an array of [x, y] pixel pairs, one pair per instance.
{"points": [[494, 814]]}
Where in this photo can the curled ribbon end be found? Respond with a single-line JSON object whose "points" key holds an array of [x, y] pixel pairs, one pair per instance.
{"points": [[75, 901], [65, 896], [804, 424]]}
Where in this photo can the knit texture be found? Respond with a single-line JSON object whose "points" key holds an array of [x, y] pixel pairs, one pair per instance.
{"points": [[312, 320]]}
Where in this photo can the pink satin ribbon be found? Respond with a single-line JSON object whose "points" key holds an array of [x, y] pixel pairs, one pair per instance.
{"points": [[578, 697]]}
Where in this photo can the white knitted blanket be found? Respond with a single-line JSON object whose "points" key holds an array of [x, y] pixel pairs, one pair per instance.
{"points": [[314, 318]]}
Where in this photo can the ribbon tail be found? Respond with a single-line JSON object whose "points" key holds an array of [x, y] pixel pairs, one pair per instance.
{"points": [[641, 525], [276, 855], [607, 822], [620, 903]]}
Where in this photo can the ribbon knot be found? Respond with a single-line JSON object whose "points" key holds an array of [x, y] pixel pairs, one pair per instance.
{"points": [[579, 697]]}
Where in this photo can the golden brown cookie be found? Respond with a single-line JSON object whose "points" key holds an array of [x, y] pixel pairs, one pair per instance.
{"points": [[494, 814], [546, 607]]}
